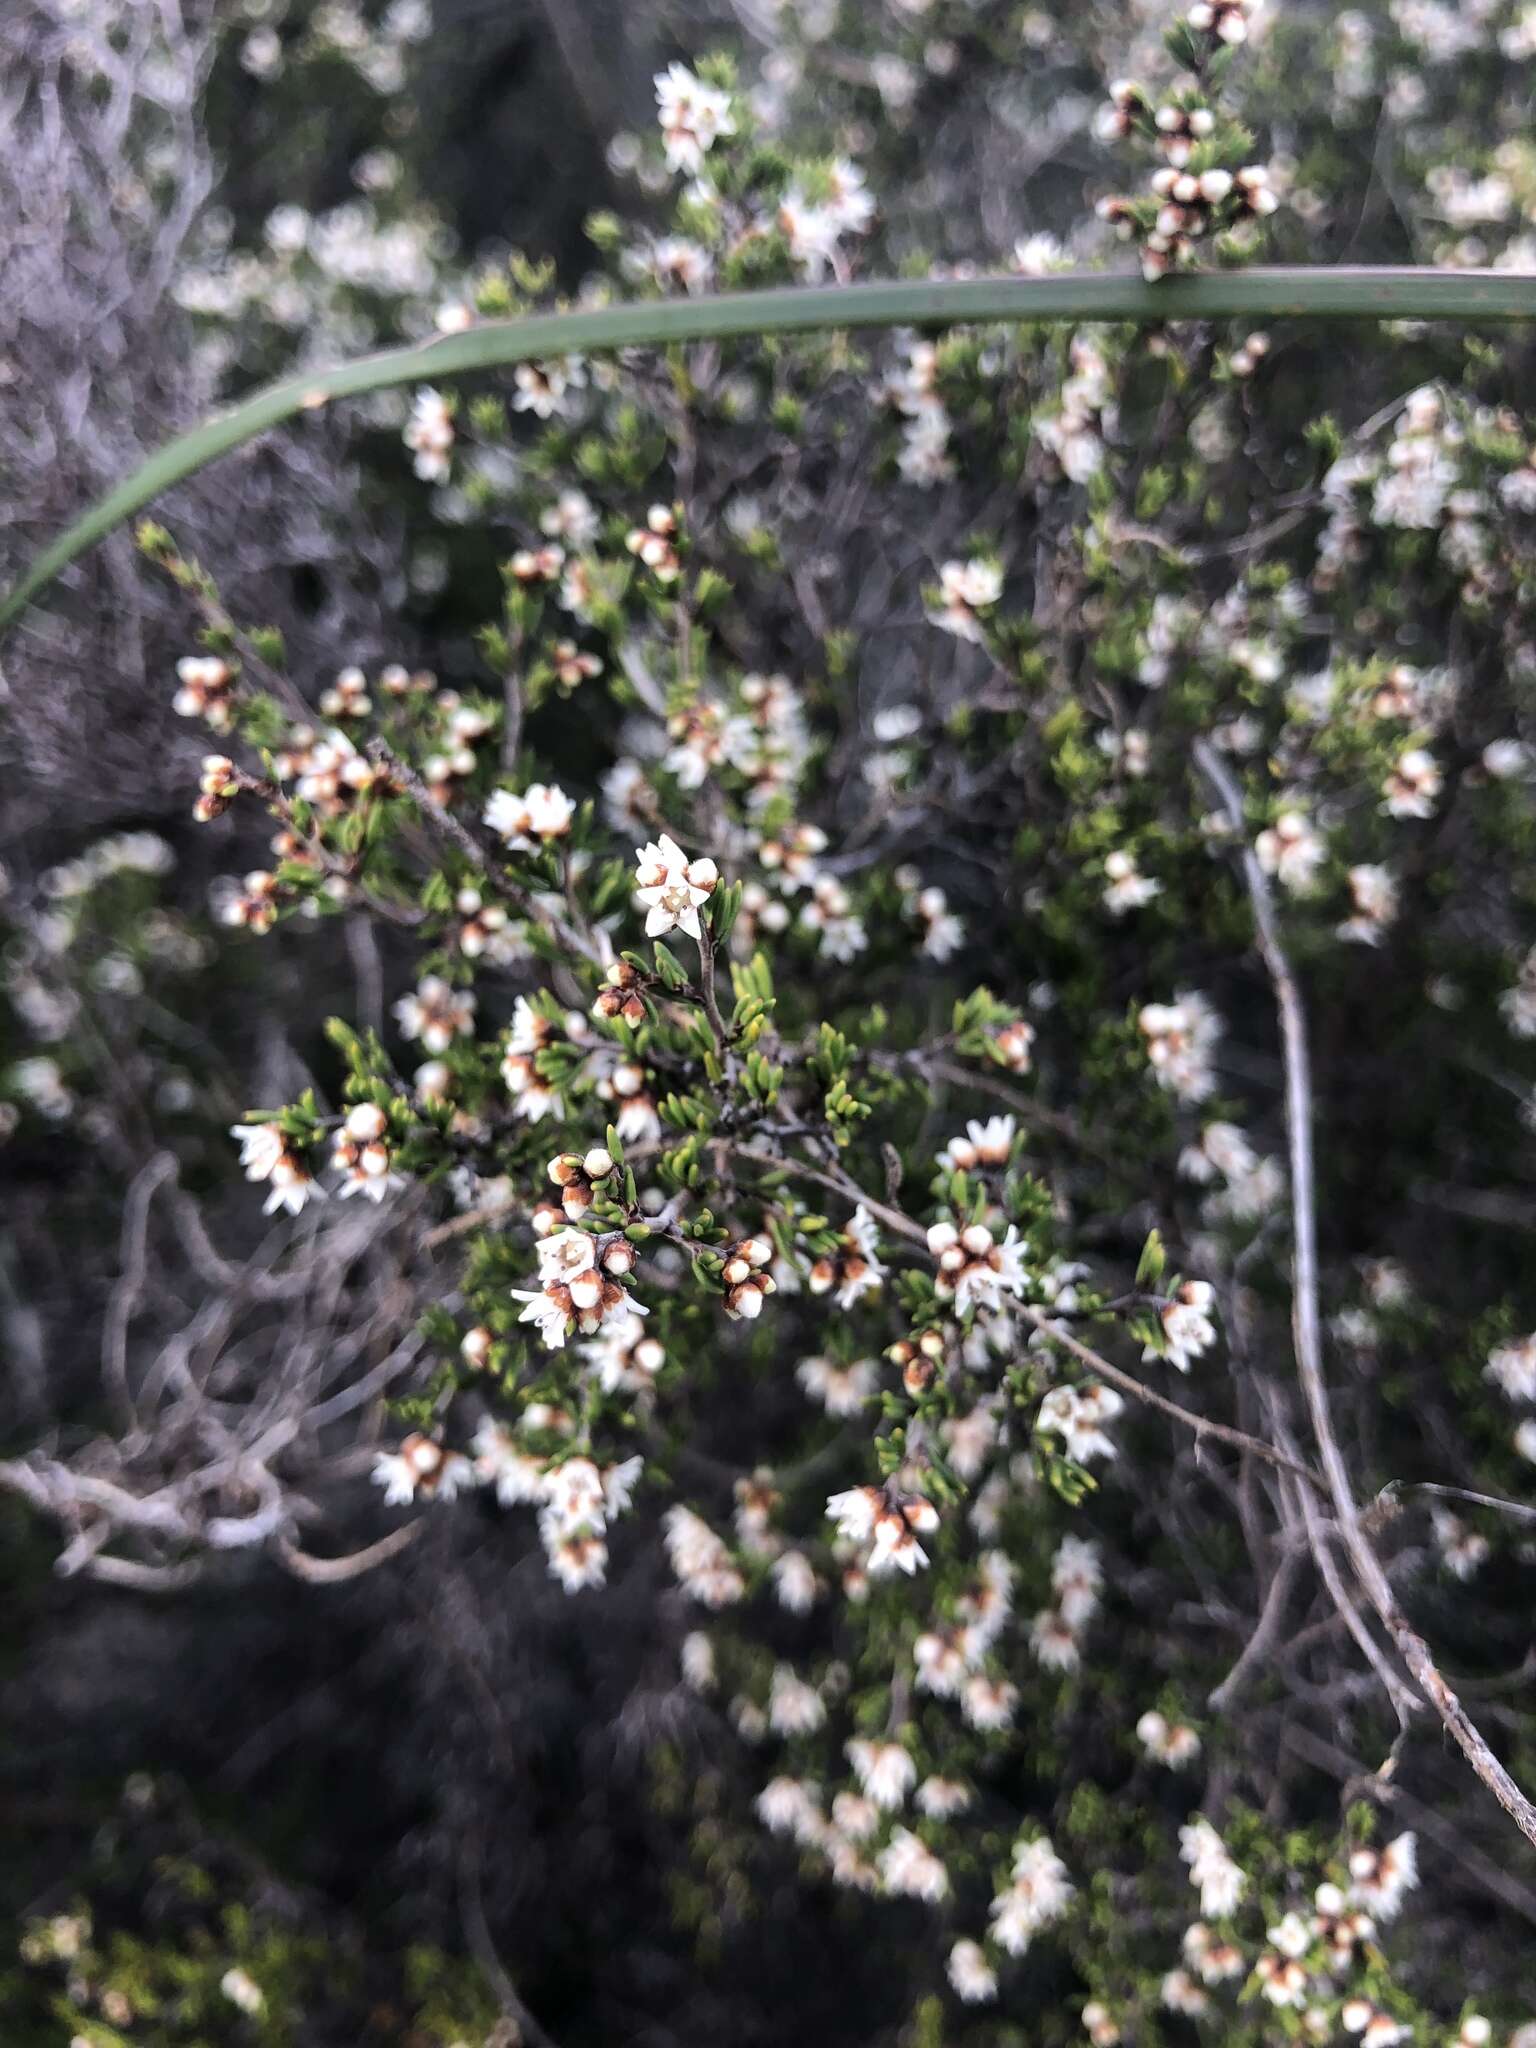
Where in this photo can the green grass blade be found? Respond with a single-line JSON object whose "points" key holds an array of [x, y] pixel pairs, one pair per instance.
{"points": [[1470, 296]]}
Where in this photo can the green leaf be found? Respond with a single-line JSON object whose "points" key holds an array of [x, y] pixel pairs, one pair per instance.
{"points": [[1341, 292]]}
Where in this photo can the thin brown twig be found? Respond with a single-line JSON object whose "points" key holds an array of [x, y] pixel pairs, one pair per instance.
{"points": [[1202, 1425], [333, 1571]]}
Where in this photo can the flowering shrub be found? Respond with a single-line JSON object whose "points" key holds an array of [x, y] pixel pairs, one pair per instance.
{"points": [[865, 987]]}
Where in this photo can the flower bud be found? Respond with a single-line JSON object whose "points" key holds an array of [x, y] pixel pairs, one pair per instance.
{"points": [[366, 1121]]}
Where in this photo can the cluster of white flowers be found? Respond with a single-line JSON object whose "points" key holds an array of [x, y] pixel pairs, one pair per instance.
{"points": [[1077, 1579], [1186, 1324], [693, 116], [542, 813], [267, 1154], [1125, 886], [436, 1014], [1211, 1870], [1412, 786], [1077, 1415], [1181, 1040], [545, 388], [1253, 1184], [421, 1466], [1037, 1896], [1374, 900], [1422, 466], [580, 1285], [986, 1145], [889, 1522], [361, 1156], [815, 228], [1512, 1369], [966, 590], [1173, 1743], [975, 1271], [971, 1976], [1379, 1879], [841, 1390], [1292, 850], [914, 392], [1076, 434], [429, 435], [854, 1269], [703, 1564]]}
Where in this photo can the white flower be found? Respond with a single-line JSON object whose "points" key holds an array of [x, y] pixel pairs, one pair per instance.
{"points": [[813, 232], [1413, 785], [1036, 255], [1076, 1415], [1292, 851], [701, 1561], [794, 1581], [626, 1360], [1170, 1743], [1180, 1993], [429, 435], [794, 1708], [1126, 887], [1180, 1038], [267, 1155], [944, 933], [884, 1769], [830, 912], [854, 1512], [1374, 892], [785, 1805], [969, 1439], [542, 812], [942, 1798], [517, 1475], [965, 590], [1379, 1878], [984, 1144], [243, 1991], [697, 1657], [988, 1703], [896, 1548], [1512, 1368], [1221, 1884], [571, 519], [574, 1492], [574, 1291], [1462, 1550], [671, 887], [841, 1390], [1187, 1326], [1039, 1894], [975, 1271], [1077, 1578], [578, 1555], [1054, 1641], [855, 1269], [436, 1014], [421, 1466], [911, 1870], [1507, 760], [692, 115], [541, 387]]}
